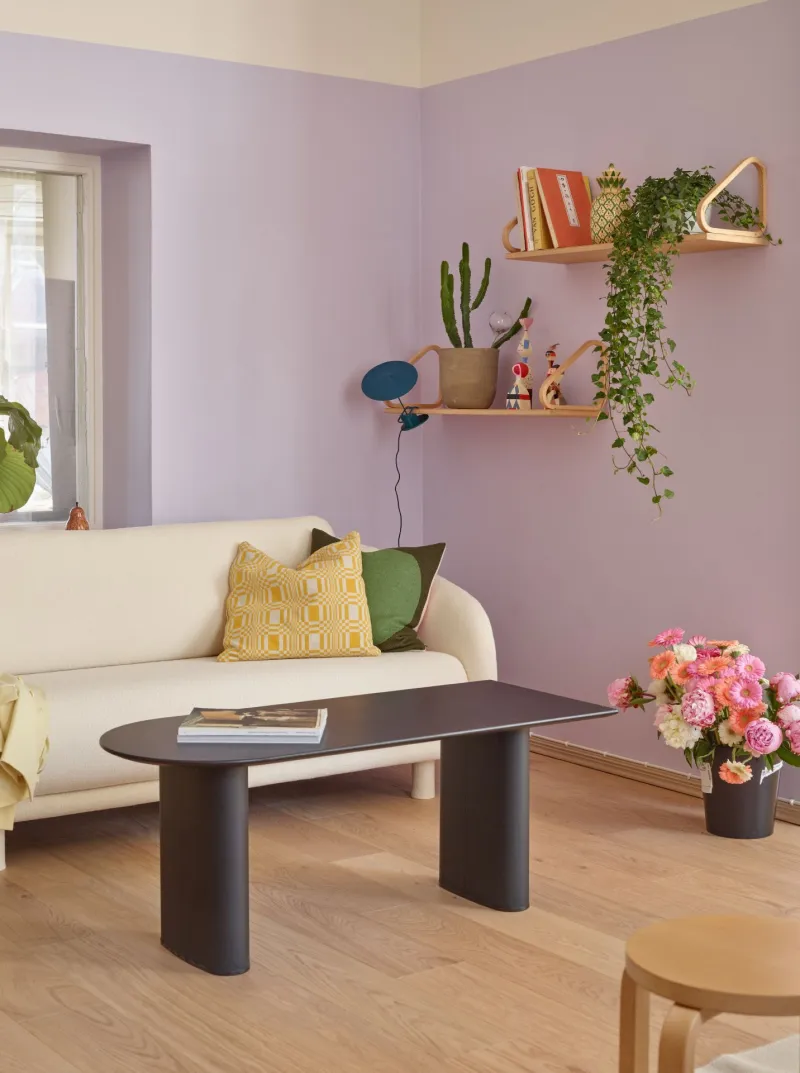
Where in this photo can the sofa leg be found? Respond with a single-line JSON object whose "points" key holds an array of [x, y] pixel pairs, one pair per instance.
{"points": [[423, 780], [2, 850]]}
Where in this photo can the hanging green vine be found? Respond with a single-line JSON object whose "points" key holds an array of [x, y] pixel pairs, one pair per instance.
{"points": [[638, 351]]}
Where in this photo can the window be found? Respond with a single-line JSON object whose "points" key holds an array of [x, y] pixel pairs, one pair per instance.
{"points": [[49, 337]]}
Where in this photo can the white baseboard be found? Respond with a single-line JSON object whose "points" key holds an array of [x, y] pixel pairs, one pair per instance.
{"points": [[638, 771]]}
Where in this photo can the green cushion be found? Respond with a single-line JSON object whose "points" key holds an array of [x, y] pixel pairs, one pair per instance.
{"points": [[398, 582]]}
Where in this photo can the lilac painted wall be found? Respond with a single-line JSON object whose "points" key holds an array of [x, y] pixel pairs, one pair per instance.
{"points": [[285, 222], [566, 557]]}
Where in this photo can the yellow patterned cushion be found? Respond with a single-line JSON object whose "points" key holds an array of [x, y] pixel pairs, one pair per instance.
{"points": [[319, 609]]}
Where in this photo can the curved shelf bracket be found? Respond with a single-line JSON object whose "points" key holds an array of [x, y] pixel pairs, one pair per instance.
{"points": [[558, 376], [507, 236], [392, 407], [704, 208]]}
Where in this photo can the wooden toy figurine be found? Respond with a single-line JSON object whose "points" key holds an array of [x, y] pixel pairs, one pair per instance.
{"points": [[519, 397], [553, 393], [521, 394]]}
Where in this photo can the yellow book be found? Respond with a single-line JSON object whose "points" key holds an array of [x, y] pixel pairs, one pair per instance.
{"points": [[541, 232]]}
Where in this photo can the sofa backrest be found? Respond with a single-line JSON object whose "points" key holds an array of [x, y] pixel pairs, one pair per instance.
{"points": [[106, 597]]}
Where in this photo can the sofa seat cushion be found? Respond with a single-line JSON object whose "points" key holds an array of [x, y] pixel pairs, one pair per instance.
{"points": [[86, 703]]}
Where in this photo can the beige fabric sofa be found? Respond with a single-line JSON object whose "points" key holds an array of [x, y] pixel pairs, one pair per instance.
{"points": [[125, 624]]}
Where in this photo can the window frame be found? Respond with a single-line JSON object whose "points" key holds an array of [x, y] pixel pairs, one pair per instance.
{"points": [[89, 299]]}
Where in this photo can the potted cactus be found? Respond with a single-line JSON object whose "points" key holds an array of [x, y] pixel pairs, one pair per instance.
{"points": [[468, 374]]}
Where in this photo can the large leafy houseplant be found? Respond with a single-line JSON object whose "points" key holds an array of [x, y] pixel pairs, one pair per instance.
{"points": [[19, 449], [637, 352]]}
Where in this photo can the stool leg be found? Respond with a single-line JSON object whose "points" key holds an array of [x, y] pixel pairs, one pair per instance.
{"points": [[634, 1027], [678, 1039]]}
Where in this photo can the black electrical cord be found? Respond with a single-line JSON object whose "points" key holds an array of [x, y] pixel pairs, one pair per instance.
{"points": [[397, 484]]}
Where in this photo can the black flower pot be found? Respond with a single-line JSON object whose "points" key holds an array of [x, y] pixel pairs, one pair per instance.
{"points": [[746, 810]]}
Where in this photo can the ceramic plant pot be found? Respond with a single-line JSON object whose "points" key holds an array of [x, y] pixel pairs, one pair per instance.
{"points": [[468, 377], [743, 811]]}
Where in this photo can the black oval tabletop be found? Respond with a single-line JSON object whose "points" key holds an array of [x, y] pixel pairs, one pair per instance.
{"points": [[370, 721]]}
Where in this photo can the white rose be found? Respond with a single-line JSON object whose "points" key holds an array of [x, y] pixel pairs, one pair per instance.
{"points": [[727, 735], [685, 653], [677, 733], [658, 687]]}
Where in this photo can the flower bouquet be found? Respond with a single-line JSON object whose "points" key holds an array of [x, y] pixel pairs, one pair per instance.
{"points": [[714, 701]]}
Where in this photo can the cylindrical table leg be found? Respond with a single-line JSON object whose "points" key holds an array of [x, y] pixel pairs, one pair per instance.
{"points": [[484, 818], [678, 1039], [204, 866], [634, 1027]]}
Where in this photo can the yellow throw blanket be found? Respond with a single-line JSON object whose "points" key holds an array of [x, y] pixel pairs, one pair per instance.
{"points": [[24, 726]]}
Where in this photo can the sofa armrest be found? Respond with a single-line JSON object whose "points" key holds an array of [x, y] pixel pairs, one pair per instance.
{"points": [[454, 622]]}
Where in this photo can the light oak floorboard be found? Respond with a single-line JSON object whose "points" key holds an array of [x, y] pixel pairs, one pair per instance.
{"points": [[360, 961]]}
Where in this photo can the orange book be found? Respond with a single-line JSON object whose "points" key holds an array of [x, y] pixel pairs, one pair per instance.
{"points": [[567, 206]]}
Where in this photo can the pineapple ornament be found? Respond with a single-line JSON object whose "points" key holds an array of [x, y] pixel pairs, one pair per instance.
{"points": [[609, 205]]}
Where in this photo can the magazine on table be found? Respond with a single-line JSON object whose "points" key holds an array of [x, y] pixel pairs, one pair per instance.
{"points": [[278, 726]]}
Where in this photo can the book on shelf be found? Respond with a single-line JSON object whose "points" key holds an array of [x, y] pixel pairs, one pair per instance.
{"points": [[567, 203], [530, 214], [277, 726]]}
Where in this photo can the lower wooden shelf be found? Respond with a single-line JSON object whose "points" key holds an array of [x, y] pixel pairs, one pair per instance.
{"points": [[513, 415]]}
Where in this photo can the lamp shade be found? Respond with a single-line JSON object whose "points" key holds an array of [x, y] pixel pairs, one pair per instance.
{"points": [[389, 380]]}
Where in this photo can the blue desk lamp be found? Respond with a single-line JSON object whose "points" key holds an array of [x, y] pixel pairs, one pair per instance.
{"points": [[391, 380], [388, 381]]}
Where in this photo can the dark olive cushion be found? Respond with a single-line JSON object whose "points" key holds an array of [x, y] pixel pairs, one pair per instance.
{"points": [[398, 582]]}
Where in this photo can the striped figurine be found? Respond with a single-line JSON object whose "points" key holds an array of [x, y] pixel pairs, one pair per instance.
{"points": [[521, 394]]}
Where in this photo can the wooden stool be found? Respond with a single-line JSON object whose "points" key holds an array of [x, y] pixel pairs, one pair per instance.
{"points": [[706, 966]]}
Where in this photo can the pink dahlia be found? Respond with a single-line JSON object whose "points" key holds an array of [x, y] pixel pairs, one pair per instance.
{"points": [[667, 638], [620, 693], [745, 693], [762, 737], [698, 640], [789, 715], [697, 708], [786, 687], [749, 666]]}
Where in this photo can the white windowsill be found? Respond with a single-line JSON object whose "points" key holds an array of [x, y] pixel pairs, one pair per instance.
{"points": [[32, 525]]}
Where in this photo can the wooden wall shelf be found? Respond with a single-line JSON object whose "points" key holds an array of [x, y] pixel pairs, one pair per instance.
{"points": [[514, 415], [707, 240], [547, 407], [699, 242]]}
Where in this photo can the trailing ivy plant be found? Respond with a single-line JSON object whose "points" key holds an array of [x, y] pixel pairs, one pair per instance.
{"points": [[638, 351]]}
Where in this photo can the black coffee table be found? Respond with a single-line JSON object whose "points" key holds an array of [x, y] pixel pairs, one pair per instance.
{"points": [[484, 809]]}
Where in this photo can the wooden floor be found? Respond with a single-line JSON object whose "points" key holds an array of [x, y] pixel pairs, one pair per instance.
{"points": [[360, 962]]}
